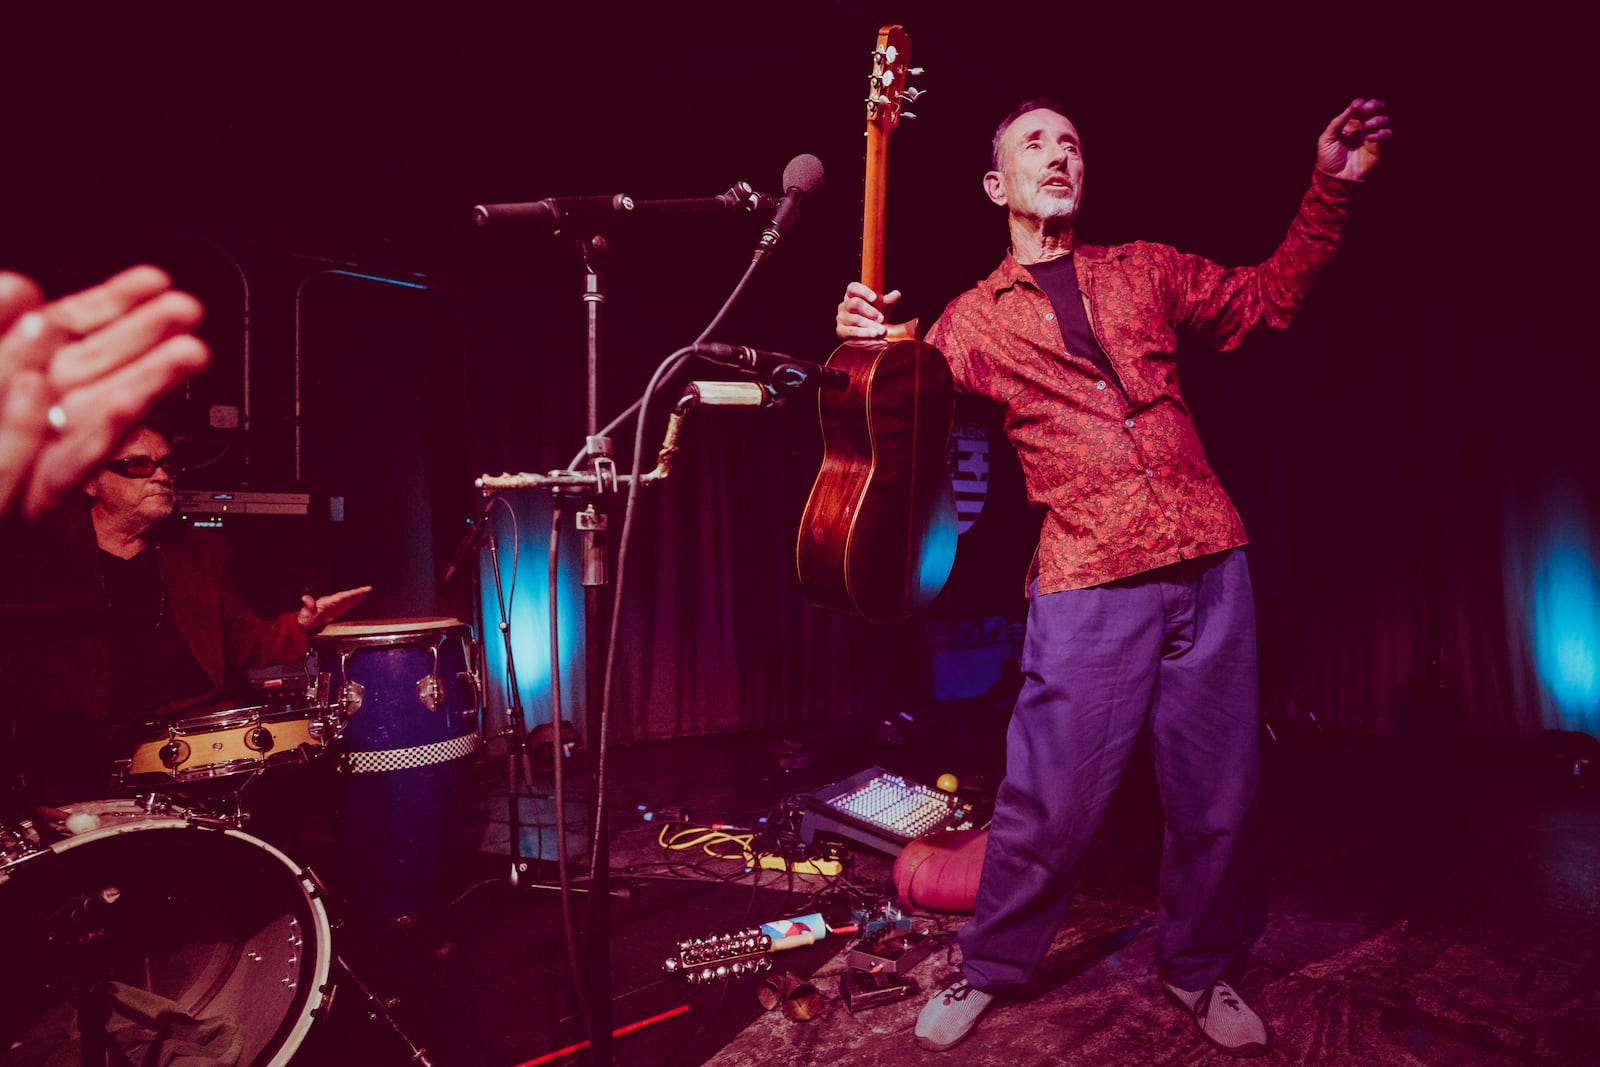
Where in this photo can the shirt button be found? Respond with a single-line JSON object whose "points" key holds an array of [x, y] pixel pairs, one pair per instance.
{"points": [[1128, 423], [1149, 472], [1099, 385], [1049, 316]]}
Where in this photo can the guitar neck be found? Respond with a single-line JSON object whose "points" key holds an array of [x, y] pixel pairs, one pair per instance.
{"points": [[886, 92], [874, 209]]}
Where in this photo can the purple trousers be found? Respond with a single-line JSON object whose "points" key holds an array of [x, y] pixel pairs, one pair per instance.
{"points": [[1171, 651]]}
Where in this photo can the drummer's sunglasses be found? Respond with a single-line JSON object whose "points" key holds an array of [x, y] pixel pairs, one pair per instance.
{"points": [[143, 466]]}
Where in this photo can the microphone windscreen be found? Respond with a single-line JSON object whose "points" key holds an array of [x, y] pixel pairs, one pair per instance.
{"points": [[804, 172]]}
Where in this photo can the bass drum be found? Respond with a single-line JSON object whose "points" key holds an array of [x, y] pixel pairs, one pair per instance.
{"points": [[193, 937]]}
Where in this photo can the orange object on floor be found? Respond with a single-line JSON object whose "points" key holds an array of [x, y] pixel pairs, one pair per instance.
{"points": [[939, 872]]}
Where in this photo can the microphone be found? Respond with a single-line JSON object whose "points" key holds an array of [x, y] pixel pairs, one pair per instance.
{"points": [[549, 215], [775, 368], [801, 178], [469, 541]]}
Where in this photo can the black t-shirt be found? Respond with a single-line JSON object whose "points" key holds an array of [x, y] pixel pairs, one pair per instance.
{"points": [[1058, 278], [151, 664]]}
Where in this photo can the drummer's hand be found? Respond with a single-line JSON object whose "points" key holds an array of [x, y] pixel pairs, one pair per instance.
{"points": [[859, 313], [318, 612]]}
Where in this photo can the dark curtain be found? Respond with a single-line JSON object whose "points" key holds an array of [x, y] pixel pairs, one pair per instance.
{"points": [[714, 632]]}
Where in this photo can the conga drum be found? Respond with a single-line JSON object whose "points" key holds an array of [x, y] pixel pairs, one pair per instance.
{"points": [[406, 695]]}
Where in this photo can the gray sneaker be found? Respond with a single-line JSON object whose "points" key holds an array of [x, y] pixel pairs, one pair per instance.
{"points": [[1224, 1019], [950, 1015]]}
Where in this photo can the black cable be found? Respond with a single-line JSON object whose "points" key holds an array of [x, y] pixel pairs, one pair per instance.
{"points": [[558, 783]]}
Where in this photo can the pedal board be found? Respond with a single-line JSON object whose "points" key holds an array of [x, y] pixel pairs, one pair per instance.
{"points": [[891, 951]]}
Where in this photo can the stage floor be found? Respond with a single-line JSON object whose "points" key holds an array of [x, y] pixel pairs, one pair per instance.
{"points": [[1430, 903]]}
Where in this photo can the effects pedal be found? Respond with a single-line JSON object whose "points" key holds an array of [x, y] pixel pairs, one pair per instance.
{"points": [[862, 989], [891, 951]]}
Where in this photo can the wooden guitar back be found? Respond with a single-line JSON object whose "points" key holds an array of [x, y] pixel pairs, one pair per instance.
{"points": [[878, 535]]}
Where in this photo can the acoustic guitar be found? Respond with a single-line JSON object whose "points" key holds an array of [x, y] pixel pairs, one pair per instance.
{"points": [[878, 536]]}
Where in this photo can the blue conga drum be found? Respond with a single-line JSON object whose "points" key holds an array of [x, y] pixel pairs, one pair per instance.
{"points": [[406, 699]]}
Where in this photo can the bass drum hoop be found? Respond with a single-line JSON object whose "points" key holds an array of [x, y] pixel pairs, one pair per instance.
{"points": [[77, 856]]}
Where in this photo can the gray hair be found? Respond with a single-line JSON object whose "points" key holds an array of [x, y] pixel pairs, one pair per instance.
{"points": [[1037, 103]]}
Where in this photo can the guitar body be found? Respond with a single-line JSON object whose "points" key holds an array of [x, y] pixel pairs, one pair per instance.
{"points": [[878, 536]]}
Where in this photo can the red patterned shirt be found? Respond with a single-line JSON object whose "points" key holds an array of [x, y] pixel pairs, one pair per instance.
{"points": [[1123, 480]]}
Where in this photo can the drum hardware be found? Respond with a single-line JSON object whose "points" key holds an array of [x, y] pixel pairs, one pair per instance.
{"points": [[378, 1011], [173, 753], [352, 694], [17, 842], [430, 691]]}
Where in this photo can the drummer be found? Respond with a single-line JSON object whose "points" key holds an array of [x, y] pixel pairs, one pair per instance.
{"points": [[175, 631]]}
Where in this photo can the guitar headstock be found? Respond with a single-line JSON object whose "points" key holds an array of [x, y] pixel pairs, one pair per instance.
{"points": [[887, 91]]}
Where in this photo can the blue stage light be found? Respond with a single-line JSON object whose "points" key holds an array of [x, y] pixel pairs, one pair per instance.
{"points": [[1565, 624]]}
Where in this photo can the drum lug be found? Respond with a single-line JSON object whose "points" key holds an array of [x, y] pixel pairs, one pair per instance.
{"points": [[315, 889], [350, 697], [173, 754], [473, 653], [430, 691], [154, 803], [326, 730]]}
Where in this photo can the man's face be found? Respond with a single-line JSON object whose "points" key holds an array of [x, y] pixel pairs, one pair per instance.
{"points": [[1041, 169], [132, 501]]}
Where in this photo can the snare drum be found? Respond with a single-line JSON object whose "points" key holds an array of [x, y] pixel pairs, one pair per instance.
{"points": [[231, 741], [407, 697], [206, 921]]}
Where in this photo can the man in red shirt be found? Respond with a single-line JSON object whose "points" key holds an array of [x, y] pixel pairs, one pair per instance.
{"points": [[1141, 616]]}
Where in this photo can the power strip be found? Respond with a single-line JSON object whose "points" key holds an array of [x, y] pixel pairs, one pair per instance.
{"points": [[826, 868]]}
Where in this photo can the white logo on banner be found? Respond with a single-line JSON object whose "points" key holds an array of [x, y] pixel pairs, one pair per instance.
{"points": [[969, 470]]}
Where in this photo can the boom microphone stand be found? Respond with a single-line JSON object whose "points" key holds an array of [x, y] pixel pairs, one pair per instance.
{"points": [[596, 614], [599, 483]]}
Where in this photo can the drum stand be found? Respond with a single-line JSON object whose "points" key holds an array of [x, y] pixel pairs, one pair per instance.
{"points": [[378, 1011]]}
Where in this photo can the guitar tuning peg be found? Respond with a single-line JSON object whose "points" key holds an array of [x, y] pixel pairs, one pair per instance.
{"points": [[907, 115], [911, 93], [915, 72]]}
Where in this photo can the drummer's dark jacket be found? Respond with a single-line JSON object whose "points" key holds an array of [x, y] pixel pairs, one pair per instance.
{"points": [[62, 664]]}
